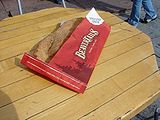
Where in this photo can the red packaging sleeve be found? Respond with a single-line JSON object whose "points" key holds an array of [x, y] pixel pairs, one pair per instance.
{"points": [[75, 61]]}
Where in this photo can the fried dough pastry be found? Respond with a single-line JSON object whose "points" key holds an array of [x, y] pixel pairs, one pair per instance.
{"points": [[47, 47]]}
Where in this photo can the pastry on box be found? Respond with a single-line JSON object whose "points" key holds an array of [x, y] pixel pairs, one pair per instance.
{"points": [[69, 55]]}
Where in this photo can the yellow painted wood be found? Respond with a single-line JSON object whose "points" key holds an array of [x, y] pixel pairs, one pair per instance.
{"points": [[41, 33], [35, 27], [112, 21], [33, 15], [126, 66], [21, 74], [40, 24], [125, 45], [14, 75], [139, 39], [48, 17], [64, 18], [128, 102], [118, 64], [24, 88], [96, 78], [25, 46], [31, 22], [120, 32], [17, 49], [9, 63], [140, 107], [100, 95], [111, 51]]}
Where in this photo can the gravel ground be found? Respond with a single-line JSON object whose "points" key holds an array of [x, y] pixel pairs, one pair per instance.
{"points": [[121, 8]]}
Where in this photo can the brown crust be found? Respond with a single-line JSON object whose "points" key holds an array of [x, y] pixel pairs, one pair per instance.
{"points": [[47, 47]]}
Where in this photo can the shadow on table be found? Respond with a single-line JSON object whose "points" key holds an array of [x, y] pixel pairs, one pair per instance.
{"points": [[18, 64], [7, 111]]}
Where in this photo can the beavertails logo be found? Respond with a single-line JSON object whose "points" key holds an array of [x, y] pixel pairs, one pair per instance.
{"points": [[85, 42]]}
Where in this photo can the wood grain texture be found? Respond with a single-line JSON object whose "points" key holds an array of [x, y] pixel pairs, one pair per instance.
{"points": [[111, 51], [27, 41], [97, 77], [100, 95], [27, 45], [25, 76], [129, 101]]}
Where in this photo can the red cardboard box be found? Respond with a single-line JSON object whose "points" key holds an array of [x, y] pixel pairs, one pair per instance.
{"points": [[75, 61]]}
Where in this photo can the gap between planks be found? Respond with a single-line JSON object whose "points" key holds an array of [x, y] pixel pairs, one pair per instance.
{"points": [[39, 34], [96, 78], [111, 52], [18, 49], [91, 100]]}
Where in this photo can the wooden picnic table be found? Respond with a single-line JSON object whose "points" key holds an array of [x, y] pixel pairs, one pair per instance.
{"points": [[125, 81]]}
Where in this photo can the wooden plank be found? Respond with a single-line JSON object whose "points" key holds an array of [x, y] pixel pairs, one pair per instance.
{"points": [[40, 13], [32, 28], [107, 54], [27, 16], [37, 83], [125, 45], [35, 27], [17, 49], [48, 17], [63, 16], [54, 15], [25, 46], [120, 63], [99, 95], [23, 88], [111, 21], [82, 14], [129, 101], [21, 74], [39, 34], [14, 75], [120, 32], [22, 106], [7, 64]]}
